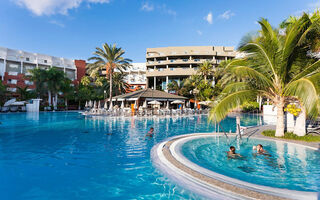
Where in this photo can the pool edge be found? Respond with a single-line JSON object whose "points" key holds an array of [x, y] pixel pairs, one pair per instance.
{"points": [[168, 161]]}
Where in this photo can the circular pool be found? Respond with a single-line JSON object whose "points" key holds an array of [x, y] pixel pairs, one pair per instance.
{"points": [[289, 170]]}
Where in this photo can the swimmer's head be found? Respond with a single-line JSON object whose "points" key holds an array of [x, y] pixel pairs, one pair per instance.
{"points": [[259, 147], [232, 149], [254, 147]]}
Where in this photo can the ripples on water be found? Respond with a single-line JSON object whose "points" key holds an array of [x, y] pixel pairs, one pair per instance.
{"points": [[67, 156], [289, 166]]}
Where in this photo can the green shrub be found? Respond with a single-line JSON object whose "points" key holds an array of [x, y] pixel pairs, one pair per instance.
{"points": [[291, 136], [250, 106]]}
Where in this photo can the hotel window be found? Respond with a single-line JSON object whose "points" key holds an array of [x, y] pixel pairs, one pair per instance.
{"points": [[12, 89], [12, 73], [45, 61], [27, 59], [28, 82]]}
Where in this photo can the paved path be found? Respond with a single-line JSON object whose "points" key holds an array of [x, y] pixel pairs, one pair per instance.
{"points": [[256, 132]]}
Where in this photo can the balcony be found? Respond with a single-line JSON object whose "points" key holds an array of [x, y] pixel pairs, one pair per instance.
{"points": [[12, 89], [12, 81], [179, 61]]}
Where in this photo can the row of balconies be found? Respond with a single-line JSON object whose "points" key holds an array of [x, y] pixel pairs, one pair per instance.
{"points": [[19, 56], [182, 61], [192, 53], [15, 82]]}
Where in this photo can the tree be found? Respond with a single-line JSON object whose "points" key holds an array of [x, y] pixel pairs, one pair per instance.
{"points": [[68, 91], [3, 92], [39, 77], [173, 86], [108, 58], [25, 93], [276, 66], [119, 84], [55, 81], [205, 69]]}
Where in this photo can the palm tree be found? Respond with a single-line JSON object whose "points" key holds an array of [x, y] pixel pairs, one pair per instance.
{"points": [[23, 92], [108, 58], [119, 84], [3, 92], [205, 69], [276, 66], [39, 77], [55, 81]]}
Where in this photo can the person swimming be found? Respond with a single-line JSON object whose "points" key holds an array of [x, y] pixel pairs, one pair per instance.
{"points": [[150, 132], [232, 153], [260, 150]]}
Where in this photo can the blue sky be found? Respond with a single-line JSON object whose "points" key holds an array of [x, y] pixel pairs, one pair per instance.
{"points": [[73, 28]]}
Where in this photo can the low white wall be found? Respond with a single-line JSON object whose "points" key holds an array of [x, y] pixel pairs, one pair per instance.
{"points": [[269, 110]]}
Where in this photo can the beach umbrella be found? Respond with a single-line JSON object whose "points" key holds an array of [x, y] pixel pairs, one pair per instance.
{"points": [[204, 103], [110, 107], [177, 102], [86, 104], [105, 105], [8, 103], [95, 104], [154, 102], [90, 104], [135, 105], [144, 104], [99, 104], [167, 104], [122, 104]]}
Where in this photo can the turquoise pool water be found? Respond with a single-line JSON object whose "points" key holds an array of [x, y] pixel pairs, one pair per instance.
{"points": [[289, 166], [67, 156]]}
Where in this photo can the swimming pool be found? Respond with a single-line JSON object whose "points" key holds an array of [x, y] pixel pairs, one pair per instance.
{"points": [[287, 166], [63, 155]]}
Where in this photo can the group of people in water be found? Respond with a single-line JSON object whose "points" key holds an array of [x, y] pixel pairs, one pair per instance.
{"points": [[259, 148]]}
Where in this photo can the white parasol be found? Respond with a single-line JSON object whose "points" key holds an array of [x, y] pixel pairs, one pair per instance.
{"points": [[90, 104], [99, 104], [95, 104], [105, 105], [154, 102], [122, 104], [177, 102], [86, 104], [204, 103], [144, 104]]}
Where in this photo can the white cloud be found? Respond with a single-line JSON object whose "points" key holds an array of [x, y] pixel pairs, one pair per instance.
{"points": [[161, 8], [199, 32], [147, 7], [51, 7], [226, 15], [57, 23], [208, 18]]}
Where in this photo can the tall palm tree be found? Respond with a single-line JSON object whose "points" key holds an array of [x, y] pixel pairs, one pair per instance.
{"points": [[3, 92], [108, 58], [205, 69], [55, 80], [23, 92], [39, 77], [276, 66], [119, 84]]}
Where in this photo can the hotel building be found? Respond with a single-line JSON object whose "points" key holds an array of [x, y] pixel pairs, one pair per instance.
{"points": [[135, 76], [166, 64], [15, 66]]}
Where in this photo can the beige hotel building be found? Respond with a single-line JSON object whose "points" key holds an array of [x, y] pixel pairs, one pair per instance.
{"points": [[166, 64]]}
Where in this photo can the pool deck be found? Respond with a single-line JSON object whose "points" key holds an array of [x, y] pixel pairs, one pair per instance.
{"points": [[256, 132], [214, 187]]}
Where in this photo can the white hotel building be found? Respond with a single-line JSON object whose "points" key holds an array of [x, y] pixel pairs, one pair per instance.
{"points": [[15, 64]]}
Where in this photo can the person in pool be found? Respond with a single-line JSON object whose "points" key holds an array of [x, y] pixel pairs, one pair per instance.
{"points": [[150, 132], [260, 150], [232, 153]]}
